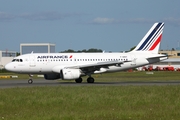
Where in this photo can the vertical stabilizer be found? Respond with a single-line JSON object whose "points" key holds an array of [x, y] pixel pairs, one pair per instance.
{"points": [[151, 41]]}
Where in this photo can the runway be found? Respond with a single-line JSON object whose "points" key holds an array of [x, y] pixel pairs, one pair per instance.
{"points": [[41, 82]]}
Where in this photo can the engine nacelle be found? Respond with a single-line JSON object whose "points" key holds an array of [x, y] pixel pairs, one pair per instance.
{"points": [[69, 74], [52, 76]]}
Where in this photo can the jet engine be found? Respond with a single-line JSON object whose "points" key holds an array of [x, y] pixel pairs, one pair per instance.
{"points": [[69, 74], [52, 76]]}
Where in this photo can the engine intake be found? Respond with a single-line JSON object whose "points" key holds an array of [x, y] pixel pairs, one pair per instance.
{"points": [[69, 74]]}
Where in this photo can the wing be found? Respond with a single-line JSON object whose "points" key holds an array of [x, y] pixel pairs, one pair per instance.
{"points": [[90, 68]]}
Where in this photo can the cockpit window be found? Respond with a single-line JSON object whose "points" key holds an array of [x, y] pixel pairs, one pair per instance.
{"points": [[17, 60], [13, 60]]}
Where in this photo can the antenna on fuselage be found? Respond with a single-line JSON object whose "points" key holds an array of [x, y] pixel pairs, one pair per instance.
{"points": [[32, 52]]}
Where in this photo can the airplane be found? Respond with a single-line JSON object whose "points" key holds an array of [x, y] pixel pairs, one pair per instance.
{"points": [[69, 66]]}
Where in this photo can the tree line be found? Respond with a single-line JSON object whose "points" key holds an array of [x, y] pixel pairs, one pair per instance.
{"points": [[80, 51], [88, 50]]}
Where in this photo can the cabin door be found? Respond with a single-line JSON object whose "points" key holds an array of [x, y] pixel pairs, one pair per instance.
{"points": [[32, 62]]}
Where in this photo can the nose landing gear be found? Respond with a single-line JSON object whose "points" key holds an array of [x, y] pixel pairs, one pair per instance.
{"points": [[30, 81]]}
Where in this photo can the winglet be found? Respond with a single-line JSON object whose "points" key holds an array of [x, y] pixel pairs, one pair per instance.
{"points": [[151, 41]]}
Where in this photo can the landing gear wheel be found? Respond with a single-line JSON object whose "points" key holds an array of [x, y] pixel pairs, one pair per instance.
{"points": [[90, 80], [79, 80], [30, 81]]}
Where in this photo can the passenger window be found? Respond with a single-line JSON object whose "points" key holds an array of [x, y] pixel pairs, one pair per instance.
{"points": [[21, 60]]}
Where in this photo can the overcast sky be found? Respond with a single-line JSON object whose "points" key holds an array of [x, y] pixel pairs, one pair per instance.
{"points": [[110, 25]]}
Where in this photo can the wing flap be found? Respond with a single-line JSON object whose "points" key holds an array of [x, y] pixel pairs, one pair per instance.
{"points": [[98, 64]]}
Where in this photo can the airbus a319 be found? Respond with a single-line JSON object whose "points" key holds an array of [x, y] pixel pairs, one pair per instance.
{"points": [[68, 66]]}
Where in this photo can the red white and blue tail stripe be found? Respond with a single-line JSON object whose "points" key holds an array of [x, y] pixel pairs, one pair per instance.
{"points": [[151, 41]]}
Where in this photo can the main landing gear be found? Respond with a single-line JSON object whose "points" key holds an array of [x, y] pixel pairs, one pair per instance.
{"points": [[89, 80], [30, 81], [79, 80]]}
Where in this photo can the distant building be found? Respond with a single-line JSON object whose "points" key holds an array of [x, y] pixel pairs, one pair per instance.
{"points": [[173, 59], [6, 57], [171, 53], [26, 48]]}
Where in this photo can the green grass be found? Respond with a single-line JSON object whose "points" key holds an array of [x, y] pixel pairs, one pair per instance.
{"points": [[91, 103], [95, 102]]}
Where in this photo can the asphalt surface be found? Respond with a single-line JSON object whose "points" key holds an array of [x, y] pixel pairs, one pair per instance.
{"points": [[41, 82]]}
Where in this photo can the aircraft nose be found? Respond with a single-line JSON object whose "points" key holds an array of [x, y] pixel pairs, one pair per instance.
{"points": [[8, 67]]}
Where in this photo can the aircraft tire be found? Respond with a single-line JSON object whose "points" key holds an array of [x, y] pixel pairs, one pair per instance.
{"points": [[90, 80], [79, 80], [30, 81]]}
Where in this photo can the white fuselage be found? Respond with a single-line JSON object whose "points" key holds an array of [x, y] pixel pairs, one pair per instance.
{"points": [[54, 62]]}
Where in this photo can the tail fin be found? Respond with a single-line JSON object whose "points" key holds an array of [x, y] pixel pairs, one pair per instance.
{"points": [[151, 41]]}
